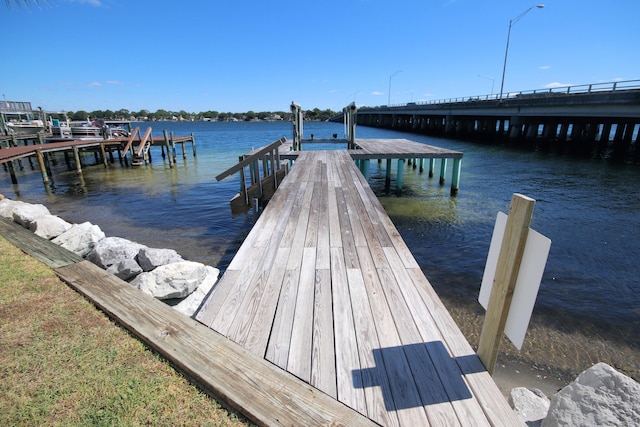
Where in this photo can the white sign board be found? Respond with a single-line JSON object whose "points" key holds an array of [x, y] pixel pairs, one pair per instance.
{"points": [[534, 260]]}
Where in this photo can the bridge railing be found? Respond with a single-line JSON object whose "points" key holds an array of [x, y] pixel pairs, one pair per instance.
{"points": [[558, 90]]}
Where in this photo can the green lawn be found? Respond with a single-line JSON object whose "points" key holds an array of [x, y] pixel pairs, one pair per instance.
{"points": [[63, 362]]}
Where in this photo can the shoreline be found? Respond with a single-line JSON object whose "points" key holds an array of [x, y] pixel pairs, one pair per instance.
{"points": [[550, 357]]}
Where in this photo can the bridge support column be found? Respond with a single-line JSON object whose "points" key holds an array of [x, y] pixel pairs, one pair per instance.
{"points": [[432, 167], [515, 128], [400, 171]]}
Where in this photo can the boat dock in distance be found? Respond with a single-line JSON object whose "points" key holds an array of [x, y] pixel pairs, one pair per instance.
{"points": [[325, 288], [136, 144]]}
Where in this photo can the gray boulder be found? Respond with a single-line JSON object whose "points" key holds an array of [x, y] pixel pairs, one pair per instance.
{"points": [[600, 396], [190, 304], [26, 213], [112, 250], [80, 239], [125, 269], [7, 206], [530, 405], [150, 258], [49, 226], [176, 280]]}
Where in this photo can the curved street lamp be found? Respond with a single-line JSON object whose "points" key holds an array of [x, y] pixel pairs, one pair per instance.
{"points": [[390, 77], [511, 22]]}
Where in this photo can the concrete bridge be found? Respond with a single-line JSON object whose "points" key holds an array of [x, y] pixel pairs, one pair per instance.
{"points": [[598, 120]]}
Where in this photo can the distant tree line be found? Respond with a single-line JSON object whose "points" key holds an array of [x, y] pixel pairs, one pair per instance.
{"points": [[163, 115]]}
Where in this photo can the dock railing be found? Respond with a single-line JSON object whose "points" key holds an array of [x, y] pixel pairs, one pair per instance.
{"points": [[258, 186]]}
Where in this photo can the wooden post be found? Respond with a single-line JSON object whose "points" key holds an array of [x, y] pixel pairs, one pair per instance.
{"points": [[104, 155], [173, 149], [432, 166], [43, 167], [184, 154], [455, 176], [507, 269], [76, 156], [193, 144], [387, 178], [166, 143], [400, 170], [365, 168], [12, 172], [443, 170], [421, 164]]}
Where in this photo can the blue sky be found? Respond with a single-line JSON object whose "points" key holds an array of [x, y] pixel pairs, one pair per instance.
{"points": [[240, 55]]}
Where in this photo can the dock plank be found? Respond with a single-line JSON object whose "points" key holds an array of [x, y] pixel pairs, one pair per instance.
{"points": [[355, 316], [265, 394], [42, 249]]}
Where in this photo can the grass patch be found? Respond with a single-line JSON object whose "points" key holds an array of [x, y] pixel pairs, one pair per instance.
{"points": [[63, 362]]}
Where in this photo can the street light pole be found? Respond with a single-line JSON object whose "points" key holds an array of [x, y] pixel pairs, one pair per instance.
{"points": [[390, 77], [506, 52], [493, 81]]}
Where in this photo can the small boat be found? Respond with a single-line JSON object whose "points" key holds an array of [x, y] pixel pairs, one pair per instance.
{"points": [[19, 118], [25, 127]]}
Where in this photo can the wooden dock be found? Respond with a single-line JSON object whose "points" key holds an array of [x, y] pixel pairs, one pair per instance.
{"points": [[264, 393], [11, 151], [325, 288]]}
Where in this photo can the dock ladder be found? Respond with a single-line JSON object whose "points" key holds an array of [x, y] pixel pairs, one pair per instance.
{"points": [[140, 155]]}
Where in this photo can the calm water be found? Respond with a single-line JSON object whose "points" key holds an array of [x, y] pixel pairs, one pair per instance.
{"points": [[590, 211]]}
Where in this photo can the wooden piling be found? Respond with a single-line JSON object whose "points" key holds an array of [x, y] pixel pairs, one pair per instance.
{"points": [[399, 177], [166, 143], [443, 170], [76, 156], [455, 177], [193, 144], [507, 269], [43, 167]]}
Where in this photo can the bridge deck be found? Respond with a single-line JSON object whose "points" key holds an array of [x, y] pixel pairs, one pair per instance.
{"points": [[325, 288]]}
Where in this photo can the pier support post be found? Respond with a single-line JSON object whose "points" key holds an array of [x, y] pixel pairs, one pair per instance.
{"points": [[365, 168], [173, 149], [43, 167], [455, 178], [193, 144], [507, 269], [76, 156], [12, 172], [387, 178], [104, 156], [432, 167], [166, 143], [443, 170], [421, 164], [400, 170]]}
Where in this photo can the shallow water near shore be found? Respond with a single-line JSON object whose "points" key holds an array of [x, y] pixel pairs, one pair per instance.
{"points": [[588, 305]]}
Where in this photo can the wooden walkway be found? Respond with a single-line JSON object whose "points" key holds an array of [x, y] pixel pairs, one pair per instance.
{"points": [[264, 393], [325, 288]]}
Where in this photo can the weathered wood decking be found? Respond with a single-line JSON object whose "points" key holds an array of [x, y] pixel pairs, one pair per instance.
{"points": [[325, 288], [264, 393]]}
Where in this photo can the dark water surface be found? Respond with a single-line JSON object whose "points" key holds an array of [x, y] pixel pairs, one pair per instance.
{"points": [[589, 209]]}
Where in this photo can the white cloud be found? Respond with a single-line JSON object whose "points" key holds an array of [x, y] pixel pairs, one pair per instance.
{"points": [[377, 93], [556, 84], [94, 84], [544, 67], [114, 82]]}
